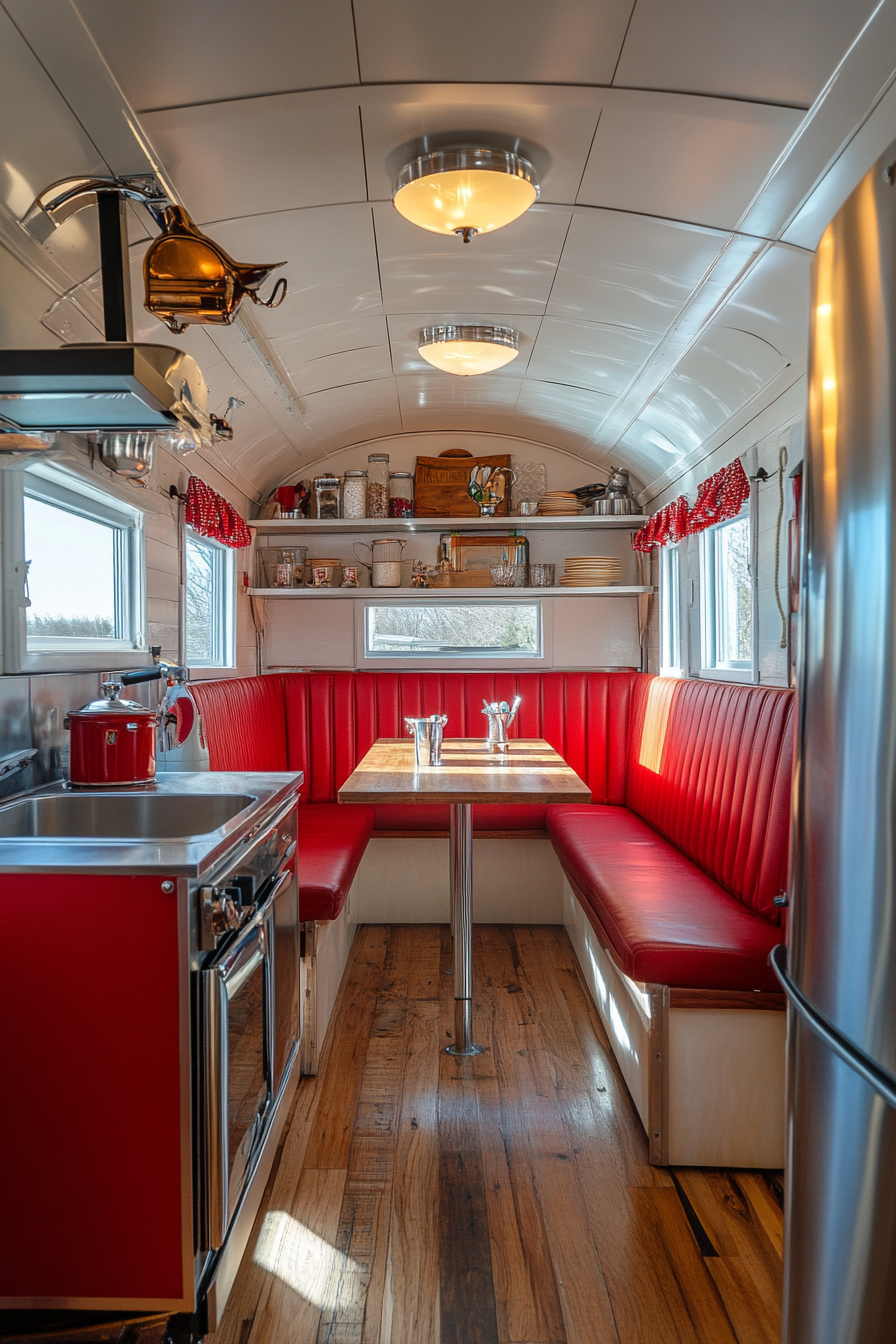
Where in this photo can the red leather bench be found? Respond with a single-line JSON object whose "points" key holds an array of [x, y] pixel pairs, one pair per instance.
{"points": [[681, 879]]}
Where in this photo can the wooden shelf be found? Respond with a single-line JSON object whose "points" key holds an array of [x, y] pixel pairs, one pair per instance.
{"points": [[619, 590], [318, 526]]}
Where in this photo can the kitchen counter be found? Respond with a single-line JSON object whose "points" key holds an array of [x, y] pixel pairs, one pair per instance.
{"points": [[188, 856]]}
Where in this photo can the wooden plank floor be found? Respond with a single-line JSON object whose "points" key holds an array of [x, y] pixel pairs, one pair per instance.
{"points": [[506, 1199]]}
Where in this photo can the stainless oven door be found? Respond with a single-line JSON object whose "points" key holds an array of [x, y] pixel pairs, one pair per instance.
{"points": [[283, 955], [234, 1076]]}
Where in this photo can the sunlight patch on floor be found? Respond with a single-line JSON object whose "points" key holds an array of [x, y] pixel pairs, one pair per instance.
{"points": [[306, 1263]]}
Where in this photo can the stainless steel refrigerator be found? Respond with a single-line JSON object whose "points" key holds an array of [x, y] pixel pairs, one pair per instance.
{"points": [[840, 968]]}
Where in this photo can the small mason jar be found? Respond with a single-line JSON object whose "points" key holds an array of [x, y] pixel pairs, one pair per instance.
{"points": [[378, 485], [326, 493], [354, 494], [401, 494]]}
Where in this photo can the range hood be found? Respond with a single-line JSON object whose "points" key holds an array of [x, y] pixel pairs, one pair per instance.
{"points": [[113, 386], [119, 386]]}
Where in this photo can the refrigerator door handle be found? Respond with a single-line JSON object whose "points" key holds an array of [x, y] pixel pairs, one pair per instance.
{"points": [[882, 1083]]}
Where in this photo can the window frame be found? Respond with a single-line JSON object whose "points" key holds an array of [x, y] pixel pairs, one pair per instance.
{"points": [[459, 662], [745, 670], [66, 489], [224, 601], [673, 616]]}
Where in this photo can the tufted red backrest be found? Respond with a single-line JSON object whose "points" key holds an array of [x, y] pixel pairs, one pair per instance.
{"points": [[333, 718], [709, 766], [245, 722]]}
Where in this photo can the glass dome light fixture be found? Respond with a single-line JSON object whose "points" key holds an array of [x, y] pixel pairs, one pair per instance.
{"points": [[465, 191], [468, 350]]}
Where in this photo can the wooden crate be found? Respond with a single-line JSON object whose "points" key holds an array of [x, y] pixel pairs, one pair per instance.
{"points": [[440, 486]]}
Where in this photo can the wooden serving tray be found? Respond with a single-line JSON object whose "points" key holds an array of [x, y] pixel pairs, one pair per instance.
{"points": [[440, 486]]}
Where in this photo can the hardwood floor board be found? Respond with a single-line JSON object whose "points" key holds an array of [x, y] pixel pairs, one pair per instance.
{"points": [[352, 1019], [758, 1194], [467, 1312], [754, 1319], [304, 1268], [681, 1266], [587, 1312], [409, 1307], [526, 1297]]}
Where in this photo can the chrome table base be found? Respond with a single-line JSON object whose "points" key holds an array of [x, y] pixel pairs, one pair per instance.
{"points": [[462, 929]]}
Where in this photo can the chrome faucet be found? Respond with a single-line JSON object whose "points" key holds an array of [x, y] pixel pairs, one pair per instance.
{"points": [[427, 735], [500, 717]]}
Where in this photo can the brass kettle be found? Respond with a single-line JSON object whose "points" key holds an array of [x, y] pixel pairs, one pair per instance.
{"points": [[190, 278]]}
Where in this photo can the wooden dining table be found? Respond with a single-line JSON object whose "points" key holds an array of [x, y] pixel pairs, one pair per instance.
{"points": [[528, 771]]}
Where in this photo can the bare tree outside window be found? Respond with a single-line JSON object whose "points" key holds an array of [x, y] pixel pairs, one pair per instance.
{"points": [[511, 630]]}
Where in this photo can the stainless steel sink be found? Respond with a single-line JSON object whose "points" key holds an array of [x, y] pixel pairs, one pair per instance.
{"points": [[120, 816]]}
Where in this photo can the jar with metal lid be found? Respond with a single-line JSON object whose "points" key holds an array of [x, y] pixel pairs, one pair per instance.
{"points": [[354, 494], [326, 494], [378, 485], [401, 494]]}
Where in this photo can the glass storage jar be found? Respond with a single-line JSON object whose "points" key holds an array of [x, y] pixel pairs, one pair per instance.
{"points": [[378, 485], [354, 494], [401, 494], [326, 494]]}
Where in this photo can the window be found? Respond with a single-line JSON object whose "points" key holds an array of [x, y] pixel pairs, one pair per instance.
{"points": [[727, 588], [208, 589], [83, 558], [671, 660], [487, 630]]}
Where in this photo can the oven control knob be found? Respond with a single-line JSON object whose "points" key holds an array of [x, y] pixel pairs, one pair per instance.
{"points": [[220, 911]]}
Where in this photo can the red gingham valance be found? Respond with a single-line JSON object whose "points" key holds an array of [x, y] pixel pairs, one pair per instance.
{"points": [[670, 524], [209, 514], [721, 496]]}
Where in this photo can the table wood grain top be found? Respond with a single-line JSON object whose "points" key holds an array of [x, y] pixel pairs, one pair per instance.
{"points": [[531, 772]]}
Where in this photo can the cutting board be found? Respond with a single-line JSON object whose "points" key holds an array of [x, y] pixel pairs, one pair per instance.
{"points": [[440, 486]]}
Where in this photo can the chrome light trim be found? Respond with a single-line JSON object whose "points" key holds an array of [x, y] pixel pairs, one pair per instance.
{"points": [[470, 159], [505, 336]]}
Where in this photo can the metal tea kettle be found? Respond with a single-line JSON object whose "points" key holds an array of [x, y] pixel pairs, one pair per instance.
{"points": [[487, 487]]}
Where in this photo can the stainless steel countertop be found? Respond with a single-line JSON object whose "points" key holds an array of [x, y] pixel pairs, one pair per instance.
{"points": [[191, 857]]}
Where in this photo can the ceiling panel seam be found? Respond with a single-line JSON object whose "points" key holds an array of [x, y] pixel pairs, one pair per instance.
{"points": [[622, 43]]}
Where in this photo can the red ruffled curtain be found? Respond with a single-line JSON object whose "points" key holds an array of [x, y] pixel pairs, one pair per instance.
{"points": [[670, 524], [721, 496], [209, 514]]}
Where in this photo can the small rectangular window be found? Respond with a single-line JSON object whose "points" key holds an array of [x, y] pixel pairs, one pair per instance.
{"points": [[83, 561], [670, 610], [487, 630], [209, 602], [727, 589]]}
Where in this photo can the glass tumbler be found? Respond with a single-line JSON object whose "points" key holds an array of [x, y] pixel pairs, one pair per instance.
{"points": [[541, 576]]}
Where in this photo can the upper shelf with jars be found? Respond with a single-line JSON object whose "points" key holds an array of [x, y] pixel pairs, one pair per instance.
{"points": [[451, 489]]}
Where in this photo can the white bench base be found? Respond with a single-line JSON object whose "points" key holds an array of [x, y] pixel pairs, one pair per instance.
{"points": [[405, 880], [327, 945], [707, 1081]]}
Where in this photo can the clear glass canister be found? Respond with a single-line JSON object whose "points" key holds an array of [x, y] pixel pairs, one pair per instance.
{"points": [[378, 485], [401, 494], [354, 494], [326, 494]]}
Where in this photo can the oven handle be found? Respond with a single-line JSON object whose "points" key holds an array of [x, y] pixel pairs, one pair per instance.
{"points": [[217, 985], [262, 911], [255, 838]]}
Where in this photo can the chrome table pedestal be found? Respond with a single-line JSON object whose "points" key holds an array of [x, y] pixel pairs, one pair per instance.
{"points": [[462, 928]]}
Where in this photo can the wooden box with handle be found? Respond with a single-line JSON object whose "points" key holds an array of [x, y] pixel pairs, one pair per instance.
{"points": [[440, 485]]}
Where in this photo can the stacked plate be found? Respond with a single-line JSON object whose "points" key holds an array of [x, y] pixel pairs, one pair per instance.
{"points": [[591, 571], [557, 502]]}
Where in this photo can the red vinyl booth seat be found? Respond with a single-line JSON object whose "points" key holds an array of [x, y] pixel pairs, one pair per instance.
{"points": [[332, 841], [666, 921]]}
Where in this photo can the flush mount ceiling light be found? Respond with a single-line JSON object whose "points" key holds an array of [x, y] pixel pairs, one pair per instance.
{"points": [[465, 191], [468, 350]]}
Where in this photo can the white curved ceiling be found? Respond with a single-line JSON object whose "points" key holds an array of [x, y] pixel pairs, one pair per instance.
{"points": [[660, 299]]}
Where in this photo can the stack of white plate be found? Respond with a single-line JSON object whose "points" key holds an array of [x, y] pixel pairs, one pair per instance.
{"points": [[557, 502], [591, 571]]}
